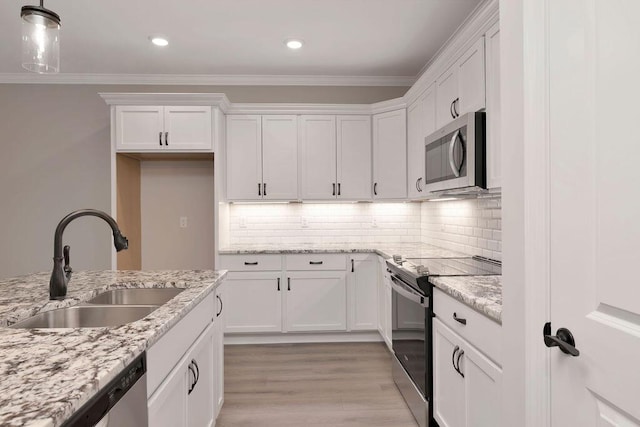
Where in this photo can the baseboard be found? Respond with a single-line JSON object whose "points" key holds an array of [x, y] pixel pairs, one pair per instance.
{"points": [[291, 338]]}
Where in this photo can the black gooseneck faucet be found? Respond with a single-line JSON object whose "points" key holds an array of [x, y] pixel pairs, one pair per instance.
{"points": [[61, 275]]}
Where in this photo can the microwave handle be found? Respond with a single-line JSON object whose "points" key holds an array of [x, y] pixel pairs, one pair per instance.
{"points": [[452, 145]]}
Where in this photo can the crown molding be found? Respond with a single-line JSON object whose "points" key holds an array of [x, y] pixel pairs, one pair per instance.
{"points": [[388, 105], [476, 25], [214, 99], [292, 108], [206, 80]]}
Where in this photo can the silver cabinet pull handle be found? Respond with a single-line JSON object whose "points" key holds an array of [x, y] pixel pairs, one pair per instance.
{"points": [[419, 186], [251, 263], [352, 265], [375, 188], [316, 262], [160, 138], [166, 138], [452, 144], [455, 110], [334, 189], [288, 283], [221, 305], [278, 284], [264, 189], [338, 189], [459, 319], [259, 189], [451, 109]]}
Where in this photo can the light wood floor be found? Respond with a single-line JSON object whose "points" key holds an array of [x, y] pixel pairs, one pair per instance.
{"points": [[336, 385]]}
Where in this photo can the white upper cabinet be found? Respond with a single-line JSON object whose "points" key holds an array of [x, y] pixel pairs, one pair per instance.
{"points": [[421, 121], [354, 157], [163, 128], [461, 89], [244, 157], [318, 157], [279, 157], [335, 157], [390, 155], [494, 147], [262, 157]]}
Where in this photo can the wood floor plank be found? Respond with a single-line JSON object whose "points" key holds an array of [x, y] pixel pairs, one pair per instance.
{"points": [[331, 385]]}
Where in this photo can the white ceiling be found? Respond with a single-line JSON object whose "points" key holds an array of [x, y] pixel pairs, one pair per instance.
{"points": [[378, 38]]}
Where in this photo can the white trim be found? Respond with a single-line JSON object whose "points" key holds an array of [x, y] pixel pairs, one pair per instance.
{"points": [[205, 80], [214, 99], [389, 105], [291, 338], [293, 108], [478, 23]]}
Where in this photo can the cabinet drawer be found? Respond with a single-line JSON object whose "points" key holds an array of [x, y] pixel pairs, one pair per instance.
{"points": [[165, 354], [316, 262], [479, 330], [251, 262]]}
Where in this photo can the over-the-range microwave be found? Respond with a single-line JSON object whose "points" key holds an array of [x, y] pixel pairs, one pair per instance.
{"points": [[455, 156]]}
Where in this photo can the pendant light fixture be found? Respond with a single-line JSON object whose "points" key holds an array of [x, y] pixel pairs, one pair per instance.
{"points": [[40, 39]]}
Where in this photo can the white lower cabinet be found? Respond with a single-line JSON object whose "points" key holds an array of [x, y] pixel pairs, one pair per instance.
{"points": [[384, 303], [362, 285], [316, 301], [253, 302], [467, 385], [184, 369]]}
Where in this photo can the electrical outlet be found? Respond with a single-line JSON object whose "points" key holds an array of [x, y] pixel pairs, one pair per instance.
{"points": [[243, 222], [374, 222], [183, 222], [304, 222]]}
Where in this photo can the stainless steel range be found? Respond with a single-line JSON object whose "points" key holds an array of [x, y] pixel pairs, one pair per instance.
{"points": [[412, 313]]}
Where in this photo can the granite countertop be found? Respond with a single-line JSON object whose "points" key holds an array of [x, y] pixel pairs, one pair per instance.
{"points": [[48, 374], [386, 250], [482, 293]]}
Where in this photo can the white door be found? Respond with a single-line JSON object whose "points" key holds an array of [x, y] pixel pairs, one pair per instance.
{"points": [[316, 301], [354, 157], [218, 348], [139, 128], [244, 157], [494, 146], [318, 157], [200, 386], [446, 94], [168, 404], [415, 149], [280, 157], [362, 278], [594, 210], [253, 302], [471, 84], [390, 155], [449, 392], [188, 128]]}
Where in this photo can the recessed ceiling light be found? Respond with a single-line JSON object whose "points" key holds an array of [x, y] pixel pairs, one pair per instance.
{"points": [[159, 41], [294, 44]]}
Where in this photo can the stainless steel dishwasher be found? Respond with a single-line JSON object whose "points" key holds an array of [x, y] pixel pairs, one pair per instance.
{"points": [[122, 403]]}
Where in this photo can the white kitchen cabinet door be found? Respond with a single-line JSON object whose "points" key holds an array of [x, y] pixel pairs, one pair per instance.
{"points": [[471, 83], [200, 381], [362, 281], [448, 385], [168, 405], [253, 302], [421, 122], [139, 128], [354, 157], [244, 157], [446, 95], [218, 348], [494, 146], [188, 128], [280, 157], [318, 157], [390, 155], [315, 301], [483, 383]]}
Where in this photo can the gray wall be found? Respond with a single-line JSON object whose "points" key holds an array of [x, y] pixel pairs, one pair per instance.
{"points": [[55, 159]]}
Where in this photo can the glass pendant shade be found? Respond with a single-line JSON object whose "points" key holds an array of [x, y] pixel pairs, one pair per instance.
{"points": [[40, 40]]}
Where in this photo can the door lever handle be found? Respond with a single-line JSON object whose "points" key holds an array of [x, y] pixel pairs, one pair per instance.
{"points": [[563, 339]]}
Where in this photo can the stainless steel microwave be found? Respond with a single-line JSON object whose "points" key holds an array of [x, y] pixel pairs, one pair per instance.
{"points": [[455, 156]]}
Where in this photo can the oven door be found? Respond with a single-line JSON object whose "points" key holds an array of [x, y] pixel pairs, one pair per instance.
{"points": [[408, 333]]}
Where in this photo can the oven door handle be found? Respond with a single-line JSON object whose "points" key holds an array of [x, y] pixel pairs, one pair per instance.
{"points": [[399, 287]]}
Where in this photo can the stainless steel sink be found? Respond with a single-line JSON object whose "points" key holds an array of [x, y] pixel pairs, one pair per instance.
{"points": [[138, 296], [87, 316]]}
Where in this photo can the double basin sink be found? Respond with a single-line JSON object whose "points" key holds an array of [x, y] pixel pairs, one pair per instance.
{"points": [[109, 309]]}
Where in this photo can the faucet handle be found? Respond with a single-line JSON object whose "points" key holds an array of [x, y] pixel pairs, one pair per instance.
{"points": [[65, 252]]}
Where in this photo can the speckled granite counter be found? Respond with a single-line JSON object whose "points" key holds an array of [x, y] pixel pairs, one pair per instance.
{"points": [[386, 250], [482, 293], [47, 374]]}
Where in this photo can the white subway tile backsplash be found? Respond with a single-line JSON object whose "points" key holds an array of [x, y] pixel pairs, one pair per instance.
{"points": [[471, 226]]}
